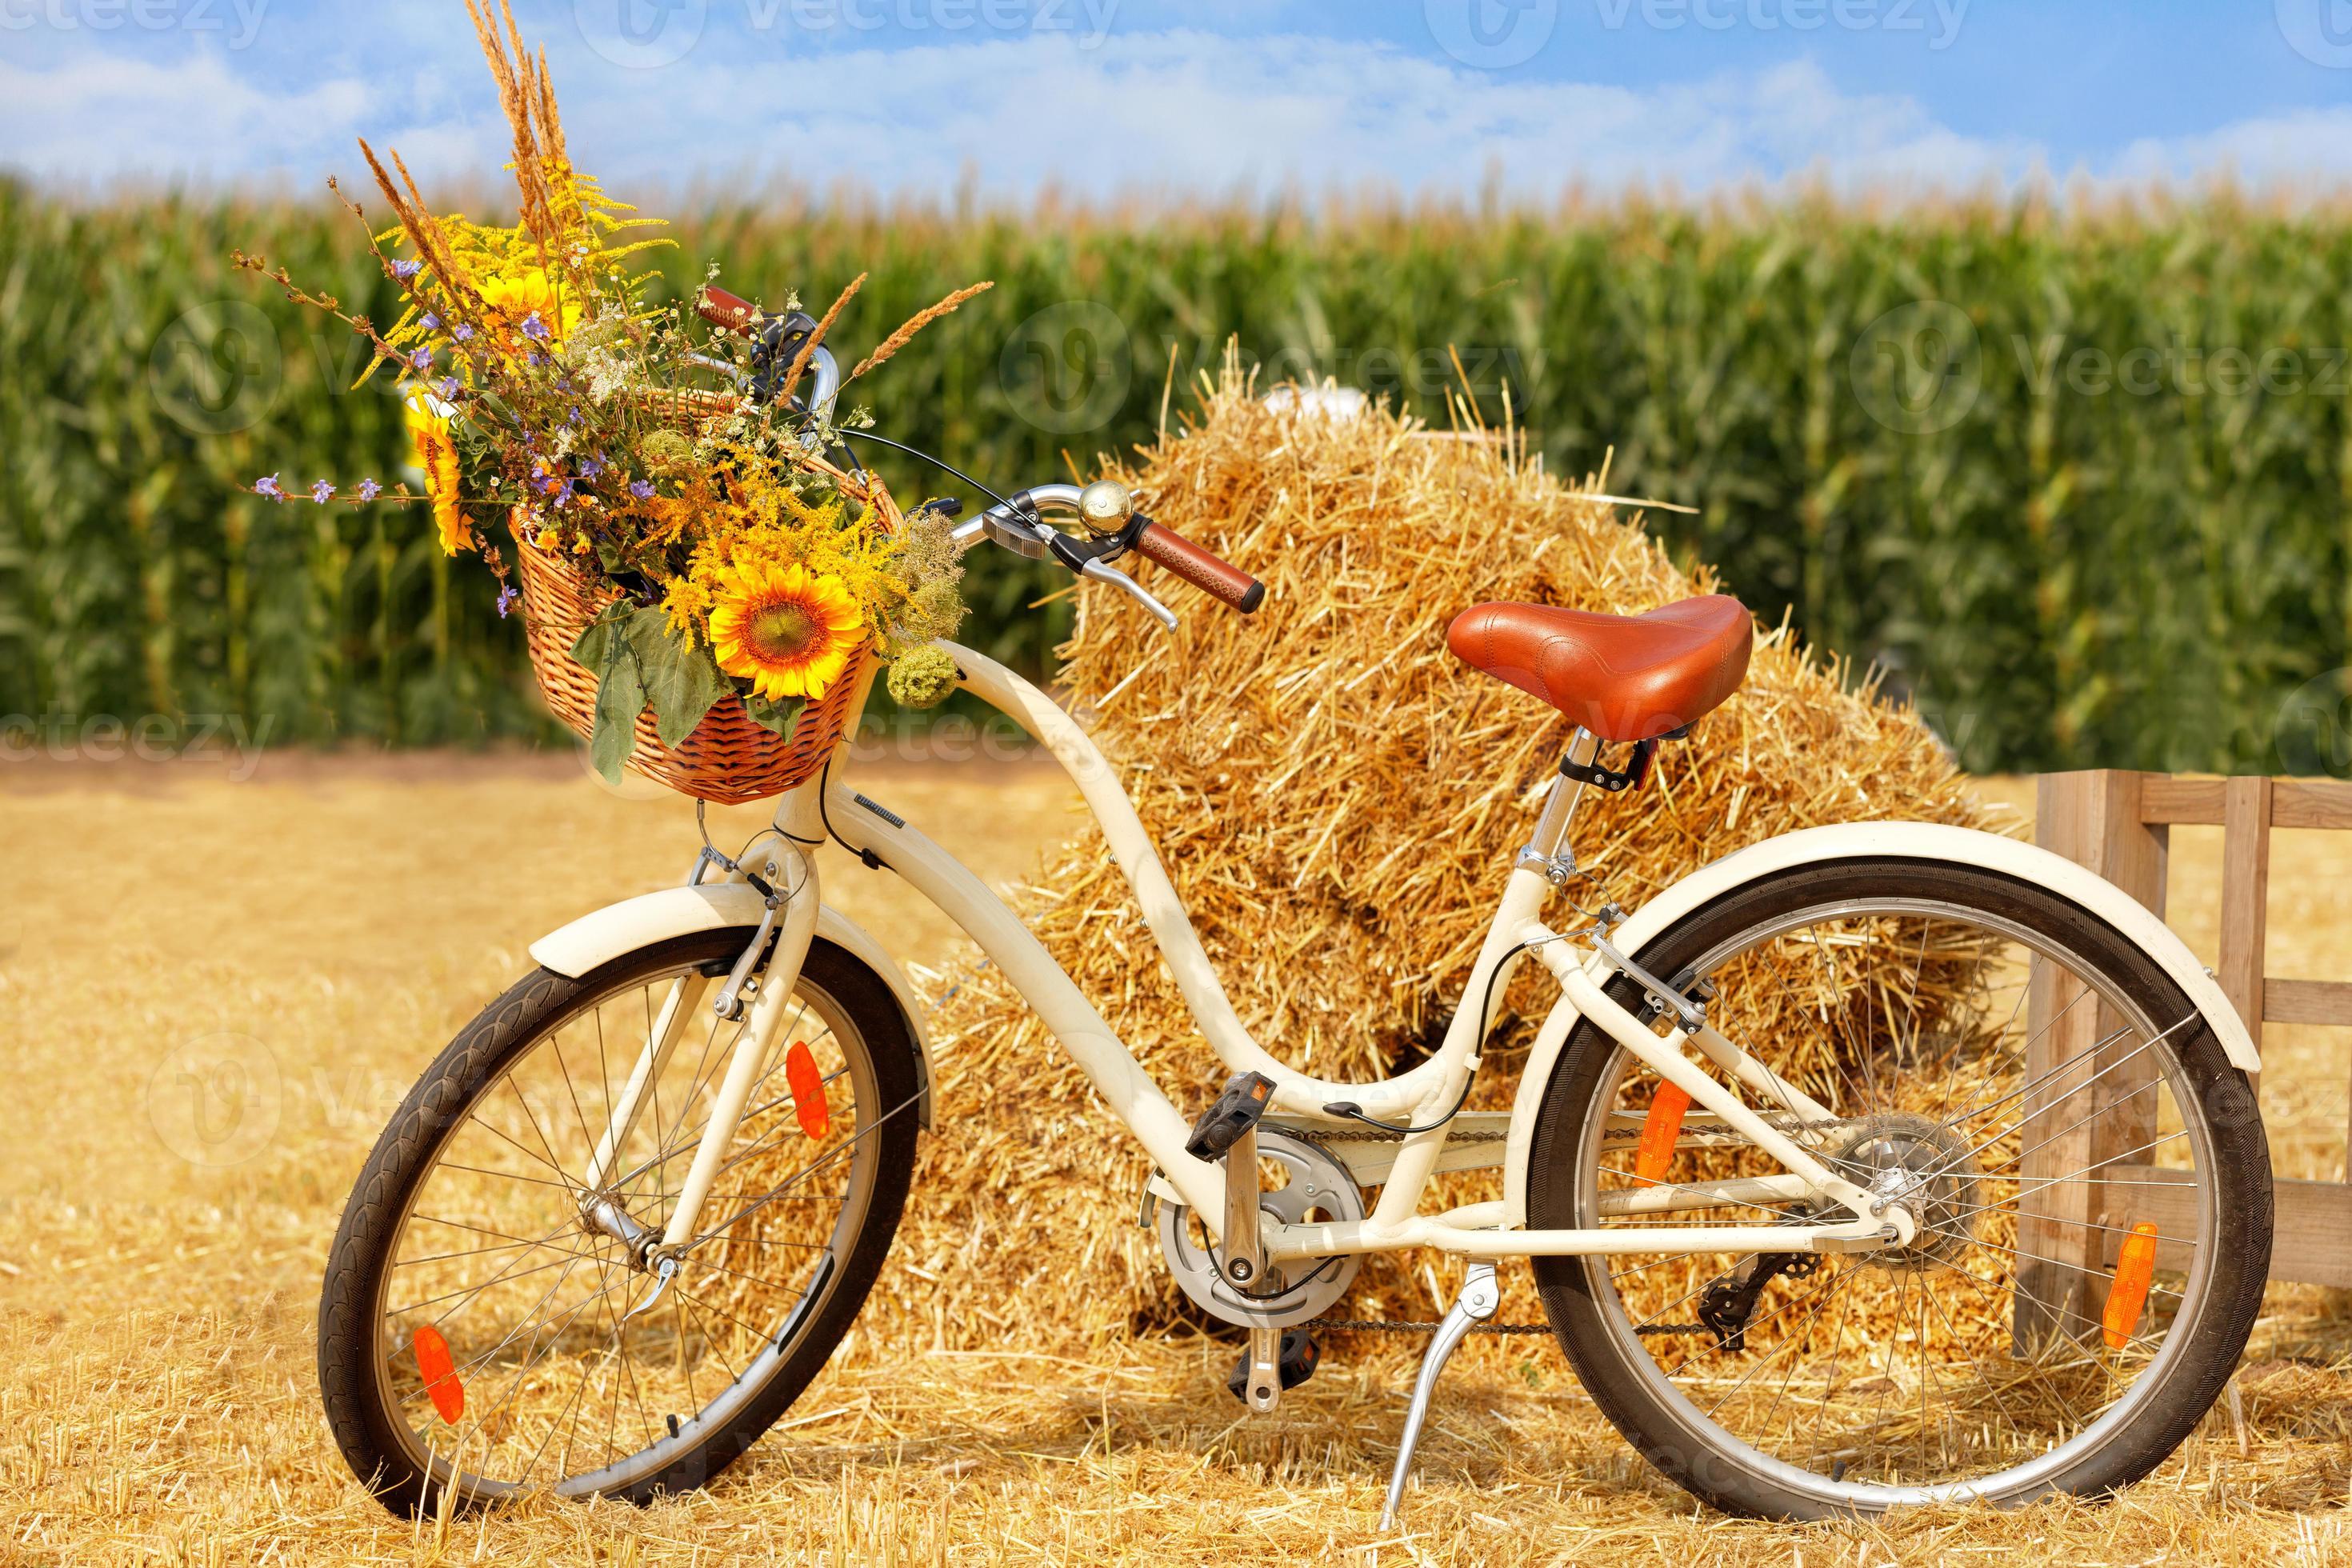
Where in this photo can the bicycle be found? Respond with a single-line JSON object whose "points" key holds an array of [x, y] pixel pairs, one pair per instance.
{"points": [[625, 1217]]}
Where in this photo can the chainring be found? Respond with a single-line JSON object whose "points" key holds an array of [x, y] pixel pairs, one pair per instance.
{"points": [[1318, 1184]]}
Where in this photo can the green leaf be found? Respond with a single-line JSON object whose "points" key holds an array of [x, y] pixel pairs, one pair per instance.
{"points": [[781, 718], [620, 698], [680, 679]]}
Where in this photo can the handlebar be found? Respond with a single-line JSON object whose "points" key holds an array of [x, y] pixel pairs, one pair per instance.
{"points": [[1210, 573], [732, 312], [1018, 525]]}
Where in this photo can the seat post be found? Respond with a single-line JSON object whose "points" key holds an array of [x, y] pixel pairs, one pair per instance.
{"points": [[1546, 850]]}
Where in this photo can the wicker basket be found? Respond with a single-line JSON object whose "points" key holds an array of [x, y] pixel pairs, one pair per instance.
{"points": [[729, 759]]}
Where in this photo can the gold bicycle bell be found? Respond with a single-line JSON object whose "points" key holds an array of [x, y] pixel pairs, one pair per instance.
{"points": [[1105, 507]]}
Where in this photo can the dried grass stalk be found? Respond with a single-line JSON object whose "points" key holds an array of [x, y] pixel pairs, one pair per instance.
{"points": [[916, 323], [801, 360]]}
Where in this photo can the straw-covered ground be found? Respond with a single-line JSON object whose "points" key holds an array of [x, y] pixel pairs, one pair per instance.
{"points": [[338, 921], [218, 986]]}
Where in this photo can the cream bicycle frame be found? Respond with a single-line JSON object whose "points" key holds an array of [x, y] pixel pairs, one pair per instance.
{"points": [[1418, 1096]]}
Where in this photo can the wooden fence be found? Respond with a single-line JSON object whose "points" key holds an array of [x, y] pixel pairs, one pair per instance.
{"points": [[2119, 825]]}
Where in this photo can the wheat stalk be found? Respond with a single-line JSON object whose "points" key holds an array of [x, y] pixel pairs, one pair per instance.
{"points": [[916, 323]]}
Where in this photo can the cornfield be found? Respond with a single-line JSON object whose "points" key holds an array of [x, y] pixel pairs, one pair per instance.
{"points": [[2079, 483]]}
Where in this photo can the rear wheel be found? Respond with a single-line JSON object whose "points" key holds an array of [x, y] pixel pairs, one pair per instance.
{"points": [[2031, 1085], [482, 1329]]}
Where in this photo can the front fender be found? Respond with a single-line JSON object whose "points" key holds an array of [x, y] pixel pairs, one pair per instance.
{"points": [[599, 938], [1862, 840]]}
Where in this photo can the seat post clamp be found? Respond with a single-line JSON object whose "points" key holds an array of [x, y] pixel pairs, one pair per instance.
{"points": [[1593, 773]]}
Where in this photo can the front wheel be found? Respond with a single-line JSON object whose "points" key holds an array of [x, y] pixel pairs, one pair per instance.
{"points": [[2088, 1167], [490, 1325]]}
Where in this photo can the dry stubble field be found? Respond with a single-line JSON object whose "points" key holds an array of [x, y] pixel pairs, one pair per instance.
{"points": [[325, 924]]}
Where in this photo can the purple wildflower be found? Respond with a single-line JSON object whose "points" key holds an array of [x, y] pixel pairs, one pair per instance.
{"points": [[422, 359], [506, 596], [267, 485], [590, 467], [462, 332], [407, 270], [430, 323], [369, 490], [322, 492], [642, 488], [449, 389], [534, 329]]}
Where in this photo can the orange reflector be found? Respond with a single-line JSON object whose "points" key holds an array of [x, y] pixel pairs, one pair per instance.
{"points": [[440, 1374], [808, 1090], [1659, 1128], [2135, 1270]]}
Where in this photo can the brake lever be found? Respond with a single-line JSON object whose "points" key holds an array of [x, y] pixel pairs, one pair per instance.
{"points": [[1142, 595]]}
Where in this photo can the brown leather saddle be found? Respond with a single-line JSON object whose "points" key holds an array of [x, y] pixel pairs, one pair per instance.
{"points": [[1625, 677]]}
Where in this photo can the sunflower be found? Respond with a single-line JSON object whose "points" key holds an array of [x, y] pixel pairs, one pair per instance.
{"points": [[527, 301], [436, 454], [789, 631]]}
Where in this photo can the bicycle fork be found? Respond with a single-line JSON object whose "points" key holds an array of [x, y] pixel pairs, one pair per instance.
{"points": [[790, 920]]}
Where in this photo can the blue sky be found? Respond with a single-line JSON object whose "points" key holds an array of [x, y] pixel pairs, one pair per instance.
{"points": [[1212, 97]]}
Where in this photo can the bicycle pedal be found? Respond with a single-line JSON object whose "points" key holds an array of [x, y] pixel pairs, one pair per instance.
{"points": [[1237, 1111], [1299, 1357]]}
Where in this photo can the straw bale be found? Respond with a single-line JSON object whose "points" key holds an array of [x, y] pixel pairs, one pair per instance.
{"points": [[1336, 800]]}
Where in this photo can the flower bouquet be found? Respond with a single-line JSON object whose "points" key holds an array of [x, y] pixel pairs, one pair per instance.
{"points": [[707, 590]]}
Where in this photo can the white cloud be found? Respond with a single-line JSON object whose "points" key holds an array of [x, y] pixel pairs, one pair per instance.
{"points": [[96, 117], [1180, 108]]}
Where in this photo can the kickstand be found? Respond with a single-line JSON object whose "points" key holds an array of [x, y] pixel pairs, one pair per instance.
{"points": [[1480, 1295]]}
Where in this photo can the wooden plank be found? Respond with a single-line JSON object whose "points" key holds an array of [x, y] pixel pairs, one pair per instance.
{"points": [[2312, 803], [2325, 1001], [2312, 1242], [2090, 1105], [2245, 895], [2165, 800], [2300, 803]]}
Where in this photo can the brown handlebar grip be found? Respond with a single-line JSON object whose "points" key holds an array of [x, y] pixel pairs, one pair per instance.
{"points": [[1217, 578], [721, 308]]}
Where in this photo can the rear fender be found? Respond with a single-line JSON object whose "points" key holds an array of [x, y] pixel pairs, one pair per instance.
{"points": [[1864, 840]]}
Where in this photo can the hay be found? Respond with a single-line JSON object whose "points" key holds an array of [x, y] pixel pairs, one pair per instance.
{"points": [[1336, 800]]}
